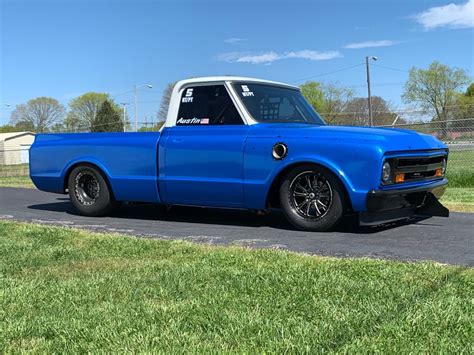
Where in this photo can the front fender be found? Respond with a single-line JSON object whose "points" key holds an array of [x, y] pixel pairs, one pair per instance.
{"points": [[355, 165], [311, 159]]}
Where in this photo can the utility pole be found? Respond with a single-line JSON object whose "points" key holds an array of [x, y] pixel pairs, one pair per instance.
{"points": [[368, 87], [135, 87], [136, 111], [124, 105]]}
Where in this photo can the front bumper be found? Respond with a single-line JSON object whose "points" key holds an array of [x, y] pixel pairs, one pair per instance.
{"points": [[394, 204]]}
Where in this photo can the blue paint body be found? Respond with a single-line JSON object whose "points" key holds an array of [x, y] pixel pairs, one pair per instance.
{"points": [[224, 166]]}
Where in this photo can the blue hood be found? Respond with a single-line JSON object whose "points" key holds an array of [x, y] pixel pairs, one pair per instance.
{"points": [[387, 139]]}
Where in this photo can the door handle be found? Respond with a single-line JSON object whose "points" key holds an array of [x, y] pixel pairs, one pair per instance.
{"points": [[177, 140]]}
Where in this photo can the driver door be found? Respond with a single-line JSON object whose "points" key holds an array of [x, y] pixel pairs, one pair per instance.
{"points": [[204, 153]]}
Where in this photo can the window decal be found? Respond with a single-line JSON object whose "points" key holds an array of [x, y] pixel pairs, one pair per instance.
{"points": [[192, 121], [188, 97], [246, 91]]}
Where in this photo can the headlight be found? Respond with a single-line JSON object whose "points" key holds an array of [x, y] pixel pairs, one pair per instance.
{"points": [[443, 166], [386, 173]]}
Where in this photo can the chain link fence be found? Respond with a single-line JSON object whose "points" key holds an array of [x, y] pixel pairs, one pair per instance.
{"points": [[14, 168], [457, 134]]}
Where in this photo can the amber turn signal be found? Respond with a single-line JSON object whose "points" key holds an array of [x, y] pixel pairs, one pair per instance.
{"points": [[400, 178], [439, 172]]}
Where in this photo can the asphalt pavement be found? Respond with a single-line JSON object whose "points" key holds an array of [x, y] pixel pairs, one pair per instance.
{"points": [[445, 240]]}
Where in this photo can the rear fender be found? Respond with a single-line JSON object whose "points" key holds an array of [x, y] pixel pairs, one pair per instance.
{"points": [[83, 160], [124, 187]]}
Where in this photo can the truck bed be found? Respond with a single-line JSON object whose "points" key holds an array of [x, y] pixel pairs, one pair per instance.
{"points": [[129, 160]]}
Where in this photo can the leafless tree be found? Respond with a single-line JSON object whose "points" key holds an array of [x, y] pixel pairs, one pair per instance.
{"points": [[357, 112], [38, 114], [165, 102]]}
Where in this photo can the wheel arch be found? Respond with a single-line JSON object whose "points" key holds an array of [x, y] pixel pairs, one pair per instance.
{"points": [[97, 166], [272, 198]]}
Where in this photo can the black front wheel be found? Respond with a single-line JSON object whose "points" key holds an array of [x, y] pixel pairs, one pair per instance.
{"points": [[312, 198], [89, 192]]}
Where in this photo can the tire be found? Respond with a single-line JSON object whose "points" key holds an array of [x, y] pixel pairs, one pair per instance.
{"points": [[312, 198], [89, 191]]}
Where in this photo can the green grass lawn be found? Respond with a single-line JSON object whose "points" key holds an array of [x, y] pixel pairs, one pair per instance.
{"points": [[65, 290], [459, 195], [16, 181], [15, 176], [460, 170], [459, 199]]}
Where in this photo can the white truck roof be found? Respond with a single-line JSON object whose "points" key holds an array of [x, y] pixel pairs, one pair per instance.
{"points": [[211, 79], [180, 85]]}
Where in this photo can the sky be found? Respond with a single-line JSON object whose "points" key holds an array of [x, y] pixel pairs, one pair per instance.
{"points": [[63, 48]]}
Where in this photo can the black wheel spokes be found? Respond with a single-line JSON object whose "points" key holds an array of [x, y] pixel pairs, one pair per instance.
{"points": [[91, 188], [86, 188], [300, 189], [311, 195]]}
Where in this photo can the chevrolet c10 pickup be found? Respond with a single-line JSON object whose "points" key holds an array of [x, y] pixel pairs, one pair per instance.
{"points": [[243, 143]]}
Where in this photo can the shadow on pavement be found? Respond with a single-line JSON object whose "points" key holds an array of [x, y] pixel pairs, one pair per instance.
{"points": [[185, 214]]}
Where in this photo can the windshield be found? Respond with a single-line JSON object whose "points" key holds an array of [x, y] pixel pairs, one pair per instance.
{"points": [[269, 104]]}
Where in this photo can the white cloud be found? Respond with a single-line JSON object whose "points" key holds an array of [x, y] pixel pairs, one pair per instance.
{"points": [[233, 40], [451, 16], [313, 55], [371, 44], [269, 57], [259, 58]]}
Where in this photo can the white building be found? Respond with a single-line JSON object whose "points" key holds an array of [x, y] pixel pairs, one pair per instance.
{"points": [[14, 147]]}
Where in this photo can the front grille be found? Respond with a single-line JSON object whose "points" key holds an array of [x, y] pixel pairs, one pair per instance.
{"points": [[419, 161], [419, 168]]}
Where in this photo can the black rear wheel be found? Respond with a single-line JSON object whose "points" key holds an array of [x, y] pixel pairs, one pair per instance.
{"points": [[89, 191], [312, 198]]}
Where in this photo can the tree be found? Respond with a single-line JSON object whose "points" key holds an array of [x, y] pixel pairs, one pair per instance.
{"points": [[8, 128], [435, 89], [84, 109], [328, 99], [21, 126], [313, 92], [165, 102], [38, 114], [470, 91], [464, 110], [357, 112], [107, 119], [153, 128], [336, 99]]}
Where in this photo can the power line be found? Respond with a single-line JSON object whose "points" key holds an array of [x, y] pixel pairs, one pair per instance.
{"points": [[153, 91], [377, 84], [121, 93], [129, 91], [390, 68], [328, 73], [396, 111]]}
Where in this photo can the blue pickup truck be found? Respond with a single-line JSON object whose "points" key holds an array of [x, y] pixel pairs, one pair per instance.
{"points": [[233, 142]]}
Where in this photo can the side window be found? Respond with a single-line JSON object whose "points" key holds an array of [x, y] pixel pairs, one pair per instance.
{"points": [[207, 105]]}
